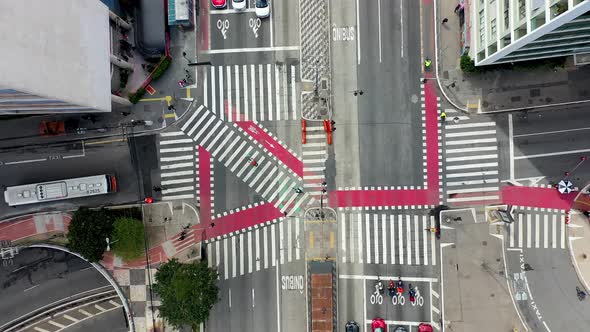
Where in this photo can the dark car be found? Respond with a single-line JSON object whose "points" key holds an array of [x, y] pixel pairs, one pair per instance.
{"points": [[352, 326]]}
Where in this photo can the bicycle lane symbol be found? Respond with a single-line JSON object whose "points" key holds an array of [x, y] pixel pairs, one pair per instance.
{"points": [[223, 26], [254, 24]]}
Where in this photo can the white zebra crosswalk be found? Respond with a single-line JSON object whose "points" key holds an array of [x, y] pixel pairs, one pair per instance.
{"points": [[382, 238], [314, 159], [470, 160], [228, 144], [177, 165], [258, 249], [256, 92], [537, 230]]}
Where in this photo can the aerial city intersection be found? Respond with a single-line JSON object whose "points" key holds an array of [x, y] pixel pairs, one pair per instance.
{"points": [[268, 165]]}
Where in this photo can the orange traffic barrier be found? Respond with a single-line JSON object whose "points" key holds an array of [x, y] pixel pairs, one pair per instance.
{"points": [[329, 138], [303, 125], [327, 126], [303, 137]]}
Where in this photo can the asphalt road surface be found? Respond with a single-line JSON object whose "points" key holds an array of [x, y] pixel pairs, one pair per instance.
{"points": [[39, 277]]}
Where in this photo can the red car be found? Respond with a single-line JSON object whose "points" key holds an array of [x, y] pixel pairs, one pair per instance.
{"points": [[219, 3], [424, 327], [378, 325]]}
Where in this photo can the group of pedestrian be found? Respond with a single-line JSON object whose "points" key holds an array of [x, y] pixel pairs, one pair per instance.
{"points": [[457, 9]]}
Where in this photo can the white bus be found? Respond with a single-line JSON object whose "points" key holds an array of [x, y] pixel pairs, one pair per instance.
{"points": [[61, 189]]}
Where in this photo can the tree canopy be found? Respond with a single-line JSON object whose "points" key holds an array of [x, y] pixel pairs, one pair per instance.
{"points": [[128, 238], [188, 292], [88, 231]]}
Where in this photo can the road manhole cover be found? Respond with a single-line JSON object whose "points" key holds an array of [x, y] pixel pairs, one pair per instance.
{"points": [[414, 99]]}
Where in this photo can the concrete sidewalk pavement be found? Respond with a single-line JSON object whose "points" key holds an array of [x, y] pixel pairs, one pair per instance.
{"points": [[501, 89], [579, 245]]}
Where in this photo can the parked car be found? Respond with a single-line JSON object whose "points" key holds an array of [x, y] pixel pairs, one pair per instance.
{"points": [[424, 327], [238, 4], [262, 8], [219, 3], [378, 325], [352, 326], [400, 329]]}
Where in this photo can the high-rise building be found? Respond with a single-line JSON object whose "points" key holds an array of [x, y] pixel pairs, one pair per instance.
{"points": [[55, 57], [517, 30]]}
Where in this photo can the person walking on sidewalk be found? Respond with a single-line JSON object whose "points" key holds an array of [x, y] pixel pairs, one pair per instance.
{"points": [[445, 20], [457, 8], [253, 162]]}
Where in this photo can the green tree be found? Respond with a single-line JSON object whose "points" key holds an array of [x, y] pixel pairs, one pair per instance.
{"points": [[128, 238], [467, 64], [88, 231], [188, 292]]}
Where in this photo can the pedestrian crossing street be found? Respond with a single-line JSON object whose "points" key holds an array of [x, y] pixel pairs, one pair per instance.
{"points": [[314, 159], [258, 249], [228, 144], [537, 230], [470, 160], [177, 165], [383, 238], [255, 92]]}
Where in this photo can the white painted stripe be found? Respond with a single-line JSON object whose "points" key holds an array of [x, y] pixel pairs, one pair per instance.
{"points": [[86, 313], [474, 199], [545, 231], [213, 88], [205, 116], [211, 132], [477, 157], [253, 90], [225, 260], [171, 174], [553, 154], [259, 175], [57, 324], [314, 161], [275, 179], [291, 199], [247, 50], [170, 159], [554, 231], [520, 230], [268, 177], [190, 120], [205, 88], [511, 235], [417, 240], [240, 161], [469, 125], [359, 237], [466, 150], [217, 254], [467, 166], [99, 307], [177, 189], [537, 231], [343, 241], [234, 258], [425, 237], [409, 239], [176, 141], [173, 133], [314, 169], [205, 128], [289, 240], [529, 231], [235, 154], [170, 150], [257, 233], [210, 255], [281, 244], [221, 97], [315, 145], [313, 152], [471, 141], [293, 93], [469, 174], [368, 239], [242, 254], [273, 244], [269, 90], [433, 242], [223, 143], [552, 132], [250, 256], [562, 222], [471, 133], [384, 236], [376, 238], [297, 240], [400, 238], [229, 94], [265, 241], [179, 165], [277, 92], [218, 135], [261, 93], [473, 182], [472, 190], [392, 237], [237, 87], [245, 78]]}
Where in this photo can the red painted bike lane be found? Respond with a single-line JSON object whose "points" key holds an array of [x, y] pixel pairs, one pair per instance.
{"points": [[548, 198]]}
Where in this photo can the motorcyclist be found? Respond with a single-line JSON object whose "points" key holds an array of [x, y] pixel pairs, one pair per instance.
{"points": [[412, 293], [391, 288], [379, 286], [400, 286]]}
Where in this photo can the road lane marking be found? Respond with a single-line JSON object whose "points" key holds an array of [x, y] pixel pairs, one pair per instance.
{"points": [[551, 132], [257, 237], [221, 97], [392, 236], [360, 237], [469, 174], [537, 231], [433, 241], [554, 231], [472, 141], [425, 237], [289, 240], [379, 14], [551, 154], [343, 236], [265, 241], [277, 92], [368, 235], [225, 260], [241, 254], [261, 92], [401, 14], [520, 230], [528, 231], [293, 93], [281, 244], [358, 34], [511, 146], [250, 256], [417, 239], [273, 244], [400, 238], [229, 94], [371, 277], [234, 260], [511, 227], [253, 91], [297, 240], [384, 235], [467, 166], [237, 85], [375, 237], [409, 239], [562, 222]]}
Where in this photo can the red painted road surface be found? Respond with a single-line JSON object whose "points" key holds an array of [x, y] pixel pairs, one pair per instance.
{"points": [[537, 197], [272, 146], [428, 196], [205, 185], [239, 220]]}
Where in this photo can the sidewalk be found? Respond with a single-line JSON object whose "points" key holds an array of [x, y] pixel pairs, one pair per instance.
{"points": [[502, 89], [579, 245]]}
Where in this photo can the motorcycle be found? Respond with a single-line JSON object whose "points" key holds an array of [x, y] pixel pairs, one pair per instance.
{"points": [[412, 293], [400, 286], [581, 293], [391, 288], [379, 287]]}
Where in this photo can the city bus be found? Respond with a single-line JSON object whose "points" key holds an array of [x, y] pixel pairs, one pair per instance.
{"points": [[60, 189]]}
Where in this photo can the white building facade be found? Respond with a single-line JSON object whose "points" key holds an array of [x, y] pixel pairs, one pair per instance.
{"points": [[518, 30]]}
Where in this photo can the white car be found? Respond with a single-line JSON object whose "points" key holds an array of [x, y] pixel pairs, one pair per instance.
{"points": [[262, 8], [238, 4]]}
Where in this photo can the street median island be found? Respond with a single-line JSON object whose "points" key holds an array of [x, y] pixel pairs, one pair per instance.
{"points": [[322, 296]]}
